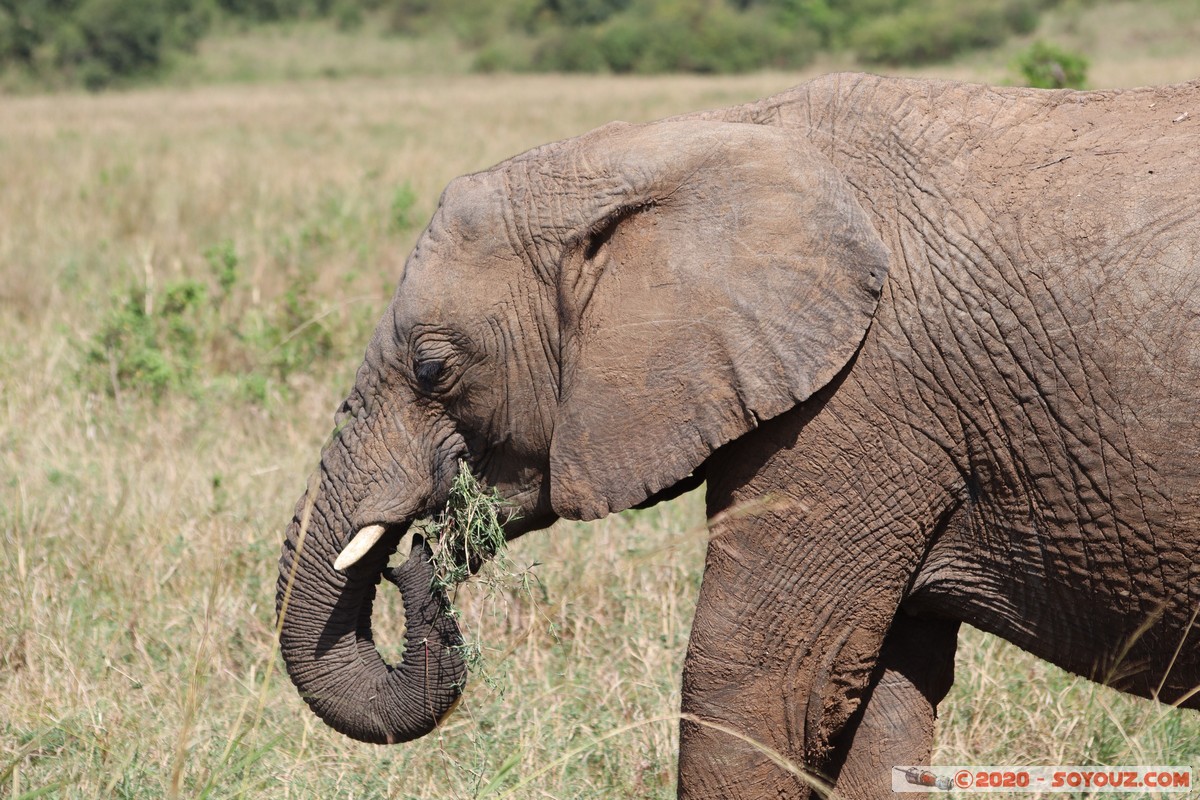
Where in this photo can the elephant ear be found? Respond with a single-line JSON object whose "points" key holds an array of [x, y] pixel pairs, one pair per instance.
{"points": [[720, 274]]}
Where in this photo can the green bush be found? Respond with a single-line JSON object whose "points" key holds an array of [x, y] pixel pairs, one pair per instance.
{"points": [[941, 29], [348, 15], [1045, 66], [98, 42], [10, 33], [119, 38], [624, 43], [263, 10], [740, 35], [653, 37], [148, 346], [579, 13], [729, 42], [192, 335], [507, 54], [570, 50], [831, 21]]}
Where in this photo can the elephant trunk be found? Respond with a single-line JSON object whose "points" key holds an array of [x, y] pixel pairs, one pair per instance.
{"points": [[325, 632]]}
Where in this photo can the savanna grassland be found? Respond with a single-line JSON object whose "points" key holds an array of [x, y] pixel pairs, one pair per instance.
{"points": [[188, 277]]}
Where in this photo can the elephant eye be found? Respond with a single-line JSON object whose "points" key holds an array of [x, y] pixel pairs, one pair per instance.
{"points": [[437, 361], [429, 372]]}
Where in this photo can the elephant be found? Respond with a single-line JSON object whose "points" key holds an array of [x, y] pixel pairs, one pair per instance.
{"points": [[932, 348]]}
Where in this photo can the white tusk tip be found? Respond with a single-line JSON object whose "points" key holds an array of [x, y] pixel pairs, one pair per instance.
{"points": [[359, 546]]}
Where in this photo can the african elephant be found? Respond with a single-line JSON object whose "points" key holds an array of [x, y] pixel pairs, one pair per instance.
{"points": [[934, 348]]}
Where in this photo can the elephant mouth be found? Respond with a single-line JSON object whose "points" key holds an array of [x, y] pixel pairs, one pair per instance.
{"points": [[371, 538]]}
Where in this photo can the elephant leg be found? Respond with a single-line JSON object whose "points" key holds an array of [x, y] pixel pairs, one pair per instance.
{"points": [[778, 661], [818, 524], [894, 724]]}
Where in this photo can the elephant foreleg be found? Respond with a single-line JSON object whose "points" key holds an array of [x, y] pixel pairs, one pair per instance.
{"points": [[779, 659], [818, 522], [894, 724]]}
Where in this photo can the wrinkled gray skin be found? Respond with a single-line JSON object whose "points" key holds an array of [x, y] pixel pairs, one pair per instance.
{"points": [[935, 348]]}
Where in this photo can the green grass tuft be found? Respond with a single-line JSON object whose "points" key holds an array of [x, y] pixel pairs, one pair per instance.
{"points": [[470, 530], [471, 542]]}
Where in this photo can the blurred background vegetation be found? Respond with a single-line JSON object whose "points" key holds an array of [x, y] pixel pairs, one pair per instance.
{"points": [[96, 43]]}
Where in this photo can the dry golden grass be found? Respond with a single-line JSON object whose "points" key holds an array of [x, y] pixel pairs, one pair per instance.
{"points": [[137, 575], [137, 567]]}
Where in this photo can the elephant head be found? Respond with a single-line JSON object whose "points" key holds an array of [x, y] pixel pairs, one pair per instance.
{"points": [[582, 325]]}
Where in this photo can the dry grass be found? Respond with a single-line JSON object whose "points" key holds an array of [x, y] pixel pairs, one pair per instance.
{"points": [[137, 567], [137, 571]]}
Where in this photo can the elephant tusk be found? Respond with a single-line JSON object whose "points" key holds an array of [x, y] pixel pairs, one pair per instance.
{"points": [[362, 542]]}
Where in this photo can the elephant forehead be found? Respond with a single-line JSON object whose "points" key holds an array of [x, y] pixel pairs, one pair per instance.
{"points": [[472, 207], [457, 285], [467, 236], [460, 273], [450, 268], [435, 293]]}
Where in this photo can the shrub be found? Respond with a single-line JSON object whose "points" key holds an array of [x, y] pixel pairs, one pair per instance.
{"points": [[192, 335], [570, 50], [728, 42], [678, 37], [1045, 66], [260, 10], [579, 13], [10, 33], [623, 44], [831, 21], [98, 42], [941, 29], [120, 38], [348, 15], [508, 54], [149, 346]]}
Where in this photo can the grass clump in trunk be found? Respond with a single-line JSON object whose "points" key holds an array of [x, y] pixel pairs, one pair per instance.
{"points": [[470, 535], [470, 530]]}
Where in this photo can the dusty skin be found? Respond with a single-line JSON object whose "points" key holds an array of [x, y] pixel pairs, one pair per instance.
{"points": [[933, 346]]}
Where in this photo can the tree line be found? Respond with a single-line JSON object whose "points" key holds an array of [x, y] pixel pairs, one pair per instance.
{"points": [[97, 42]]}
